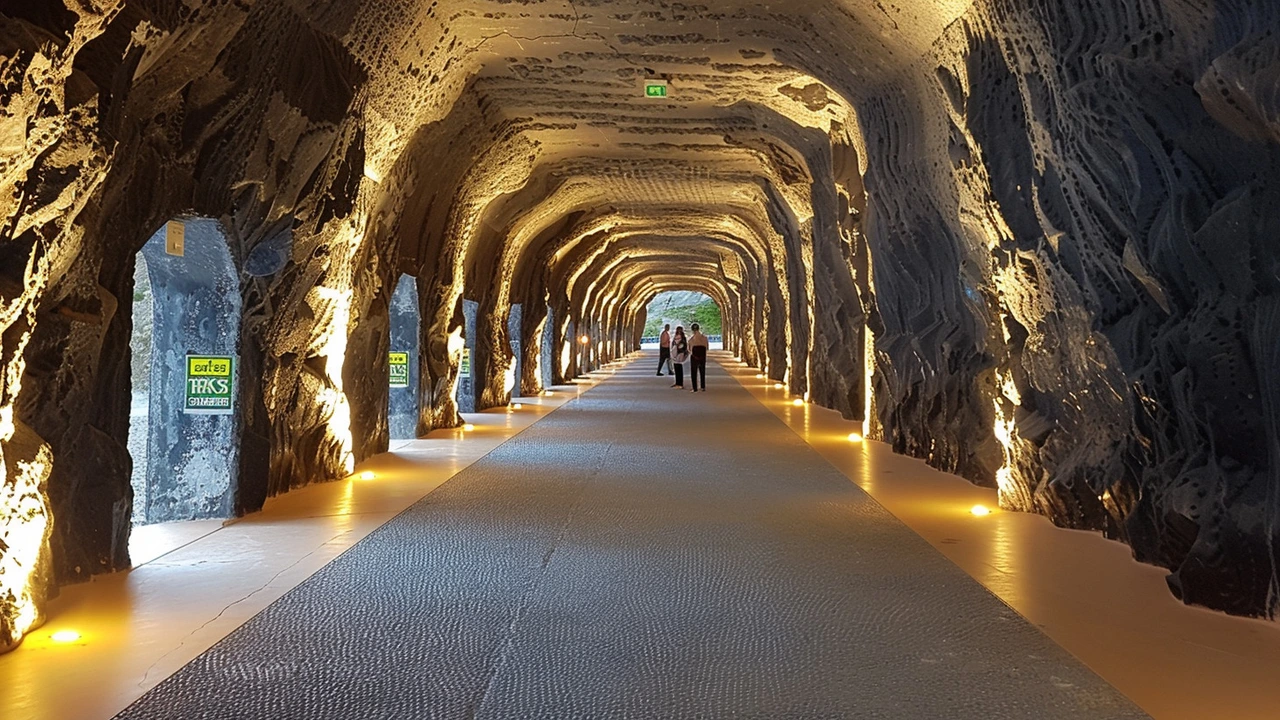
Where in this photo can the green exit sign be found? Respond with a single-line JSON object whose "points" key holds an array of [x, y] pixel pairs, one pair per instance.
{"points": [[655, 89]]}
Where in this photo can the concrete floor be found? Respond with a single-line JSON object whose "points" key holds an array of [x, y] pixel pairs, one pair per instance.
{"points": [[641, 553], [207, 579], [194, 582]]}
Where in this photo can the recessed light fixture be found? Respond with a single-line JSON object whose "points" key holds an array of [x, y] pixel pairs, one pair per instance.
{"points": [[980, 510], [517, 406], [798, 402], [468, 427], [855, 437], [65, 636], [367, 475]]}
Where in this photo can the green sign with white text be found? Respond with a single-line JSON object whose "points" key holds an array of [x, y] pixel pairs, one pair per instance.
{"points": [[209, 385], [464, 367], [655, 90], [399, 369]]}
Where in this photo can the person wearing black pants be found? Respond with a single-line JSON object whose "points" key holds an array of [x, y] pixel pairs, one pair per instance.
{"points": [[698, 345], [679, 353], [664, 348]]}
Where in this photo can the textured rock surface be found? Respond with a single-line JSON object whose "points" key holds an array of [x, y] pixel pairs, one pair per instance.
{"points": [[1034, 240]]}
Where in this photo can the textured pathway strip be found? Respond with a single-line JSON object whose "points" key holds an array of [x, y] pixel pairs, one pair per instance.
{"points": [[641, 553]]}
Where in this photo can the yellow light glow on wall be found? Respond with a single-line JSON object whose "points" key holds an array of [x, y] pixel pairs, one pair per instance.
{"points": [[333, 307], [868, 375], [25, 464], [455, 342], [509, 378], [1005, 431], [65, 636], [24, 530]]}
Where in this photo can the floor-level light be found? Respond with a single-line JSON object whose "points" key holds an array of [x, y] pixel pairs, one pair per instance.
{"points": [[798, 402], [65, 636], [980, 510], [777, 386], [517, 406], [367, 475], [855, 437], [469, 427], [759, 376], [547, 393]]}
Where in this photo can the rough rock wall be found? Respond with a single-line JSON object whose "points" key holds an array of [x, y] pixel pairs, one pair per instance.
{"points": [[117, 121], [1096, 333], [51, 163]]}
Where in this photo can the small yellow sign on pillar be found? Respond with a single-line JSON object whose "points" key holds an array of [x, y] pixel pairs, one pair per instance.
{"points": [[175, 234]]}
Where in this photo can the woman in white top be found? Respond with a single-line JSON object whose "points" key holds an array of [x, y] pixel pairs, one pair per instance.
{"points": [[679, 353]]}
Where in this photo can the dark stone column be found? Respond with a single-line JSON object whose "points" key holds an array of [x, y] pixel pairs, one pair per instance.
{"points": [[547, 345], [515, 335], [402, 412], [467, 384], [192, 459]]}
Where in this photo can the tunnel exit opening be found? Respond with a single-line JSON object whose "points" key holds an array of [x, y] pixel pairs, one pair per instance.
{"points": [[681, 308], [183, 417], [406, 319]]}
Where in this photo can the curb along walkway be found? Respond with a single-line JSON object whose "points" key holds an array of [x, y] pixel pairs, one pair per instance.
{"points": [[643, 552]]}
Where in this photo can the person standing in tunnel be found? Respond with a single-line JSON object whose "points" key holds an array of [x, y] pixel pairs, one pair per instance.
{"points": [[698, 345], [664, 348], [679, 353]]}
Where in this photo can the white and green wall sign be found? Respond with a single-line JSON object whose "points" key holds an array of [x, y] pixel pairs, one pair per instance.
{"points": [[464, 367], [209, 387], [399, 369]]}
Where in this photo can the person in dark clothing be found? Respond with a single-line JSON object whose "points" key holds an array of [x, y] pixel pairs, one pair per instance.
{"points": [[679, 353], [664, 348], [698, 345]]}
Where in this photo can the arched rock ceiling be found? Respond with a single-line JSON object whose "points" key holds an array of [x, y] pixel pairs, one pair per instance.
{"points": [[421, 54], [562, 82]]}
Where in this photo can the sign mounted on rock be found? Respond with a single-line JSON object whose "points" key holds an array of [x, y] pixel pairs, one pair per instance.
{"points": [[655, 88], [209, 385], [399, 369], [464, 367], [175, 237]]}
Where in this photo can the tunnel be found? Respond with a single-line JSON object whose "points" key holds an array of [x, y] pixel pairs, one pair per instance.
{"points": [[1032, 245]]}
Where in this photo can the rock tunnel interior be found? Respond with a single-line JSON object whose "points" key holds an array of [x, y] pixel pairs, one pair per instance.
{"points": [[1034, 244]]}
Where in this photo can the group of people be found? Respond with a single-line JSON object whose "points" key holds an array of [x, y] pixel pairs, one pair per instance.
{"points": [[674, 350]]}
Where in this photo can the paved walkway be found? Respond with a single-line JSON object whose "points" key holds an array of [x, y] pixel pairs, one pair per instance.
{"points": [[640, 553]]}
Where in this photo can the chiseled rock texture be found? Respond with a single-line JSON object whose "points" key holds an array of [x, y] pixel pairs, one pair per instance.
{"points": [[1042, 234]]}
